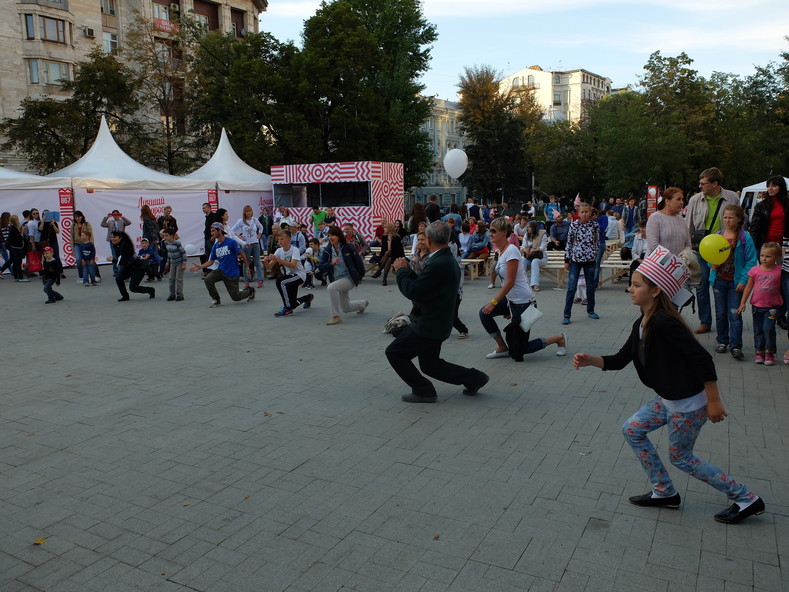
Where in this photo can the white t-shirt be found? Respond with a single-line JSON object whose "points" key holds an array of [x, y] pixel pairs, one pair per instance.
{"points": [[292, 254], [521, 292]]}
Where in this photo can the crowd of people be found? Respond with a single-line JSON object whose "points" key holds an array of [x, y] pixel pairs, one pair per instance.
{"points": [[426, 256]]}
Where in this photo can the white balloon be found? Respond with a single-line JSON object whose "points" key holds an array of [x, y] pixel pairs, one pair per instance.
{"points": [[190, 250], [455, 163], [652, 192]]}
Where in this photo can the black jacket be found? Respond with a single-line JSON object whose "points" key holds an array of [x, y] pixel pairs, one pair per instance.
{"points": [[676, 365], [351, 258], [433, 294], [760, 220]]}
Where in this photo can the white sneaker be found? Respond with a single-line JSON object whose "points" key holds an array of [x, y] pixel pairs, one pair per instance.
{"points": [[494, 354], [463, 336], [562, 351], [491, 286], [214, 303]]}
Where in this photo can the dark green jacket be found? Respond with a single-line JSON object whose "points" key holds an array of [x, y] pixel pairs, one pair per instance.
{"points": [[433, 293]]}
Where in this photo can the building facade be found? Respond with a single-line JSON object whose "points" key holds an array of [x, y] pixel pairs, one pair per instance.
{"points": [[563, 96], [444, 131], [42, 40]]}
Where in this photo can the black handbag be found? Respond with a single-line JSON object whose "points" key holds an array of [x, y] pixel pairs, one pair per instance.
{"points": [[698, 235]]}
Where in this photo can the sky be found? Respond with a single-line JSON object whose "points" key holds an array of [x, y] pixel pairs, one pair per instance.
{"points": [[611, 38]]}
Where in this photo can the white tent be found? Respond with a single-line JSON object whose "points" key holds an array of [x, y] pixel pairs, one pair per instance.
{"points": [[749, 196], [107, 179], [11, 179], [23, 191], [106, 166], [230, 172], [239, 184]]}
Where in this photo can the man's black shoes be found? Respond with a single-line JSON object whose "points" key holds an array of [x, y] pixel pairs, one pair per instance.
{"points": [[733, 514], [647, 500]]}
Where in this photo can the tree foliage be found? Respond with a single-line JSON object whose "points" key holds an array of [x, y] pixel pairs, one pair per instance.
{"points": [[243, 85], [497, 126], [358, 86], [677, 124]]}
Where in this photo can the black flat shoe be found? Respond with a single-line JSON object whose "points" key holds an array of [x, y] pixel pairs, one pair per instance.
{"points": [[733, 514], [473, 390], [647, 500], [412, 398], [124, 299]]}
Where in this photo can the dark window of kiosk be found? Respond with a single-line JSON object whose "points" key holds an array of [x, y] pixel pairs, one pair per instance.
{"points": [[333, 195]]}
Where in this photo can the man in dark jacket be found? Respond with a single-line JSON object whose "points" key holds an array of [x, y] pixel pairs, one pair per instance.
{"points": [[432, 211], [433, 293]]}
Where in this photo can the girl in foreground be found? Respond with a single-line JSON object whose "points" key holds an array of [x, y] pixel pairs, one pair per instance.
{"points": [[669, 360]]}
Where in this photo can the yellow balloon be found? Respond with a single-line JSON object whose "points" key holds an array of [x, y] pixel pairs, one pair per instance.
{"points": [[714, 249]]}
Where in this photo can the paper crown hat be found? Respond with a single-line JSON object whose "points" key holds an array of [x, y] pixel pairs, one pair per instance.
{"points": [[668, 272]]}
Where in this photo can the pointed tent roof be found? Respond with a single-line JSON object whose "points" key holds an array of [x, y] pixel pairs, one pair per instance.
{"points": [[106, 166], [230, 172], [11, 179]]}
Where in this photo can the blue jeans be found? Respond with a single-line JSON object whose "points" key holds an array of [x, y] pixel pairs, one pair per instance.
{"points": [[727, 322], [515, 310], [598, 262], [50, 292], [703, 293], [87, 271], [683, 430], [253, 256], [115, 250], [572, 285], [78, 258], [764, 328]]}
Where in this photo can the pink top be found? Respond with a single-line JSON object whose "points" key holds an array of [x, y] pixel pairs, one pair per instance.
{"points": [[766, 286]]}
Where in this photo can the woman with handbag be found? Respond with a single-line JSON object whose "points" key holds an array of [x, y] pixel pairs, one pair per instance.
{"points": [[535, 244], [512, 300], [345, 268]]}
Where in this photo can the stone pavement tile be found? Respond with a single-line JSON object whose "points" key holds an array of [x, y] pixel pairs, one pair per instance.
{"points": [[501, 549], [11, 568], [738, 571], [639, 582], [55, 570], [767, 577]]}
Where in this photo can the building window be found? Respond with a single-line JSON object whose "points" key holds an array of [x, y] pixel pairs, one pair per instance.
{"points": [[108, 6], [557, 80], [160, 12], [557, 97], [516, 82], [52, 29], [48, 72], [110, 43], [531, 81], [30, 26], [202, 20]]}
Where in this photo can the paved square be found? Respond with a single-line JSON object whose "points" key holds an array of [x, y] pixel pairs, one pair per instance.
{"points": [[165, 446]]}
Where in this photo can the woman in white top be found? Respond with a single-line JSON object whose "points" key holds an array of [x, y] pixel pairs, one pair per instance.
{"points": [[667, 227], [514, 297], [614, 230], [250, 230], [535, 245]]}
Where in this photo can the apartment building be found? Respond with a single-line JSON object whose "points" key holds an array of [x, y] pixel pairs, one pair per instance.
{"points": [[42, 40], [563, 96], [444, 131]]}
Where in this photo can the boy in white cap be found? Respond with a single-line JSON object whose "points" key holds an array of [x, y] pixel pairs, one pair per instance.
{"points": [[669, 360]]}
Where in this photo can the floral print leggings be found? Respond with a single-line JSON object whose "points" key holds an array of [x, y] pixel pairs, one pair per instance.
{"points": [[683, 430]]}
